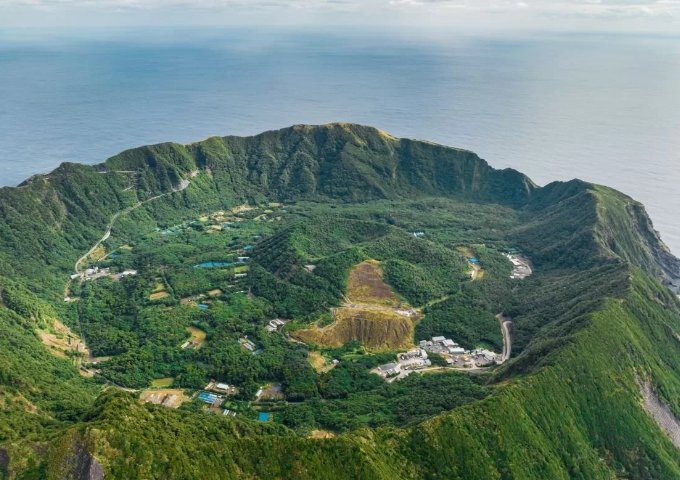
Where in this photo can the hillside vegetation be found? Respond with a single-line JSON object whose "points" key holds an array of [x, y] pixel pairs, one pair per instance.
{"points": [[307, 205]]}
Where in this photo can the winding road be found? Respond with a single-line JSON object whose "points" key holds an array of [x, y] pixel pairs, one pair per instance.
{"points": [[506, 324], [182, 185]]}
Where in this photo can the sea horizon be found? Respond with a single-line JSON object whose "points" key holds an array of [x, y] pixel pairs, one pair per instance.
{"points": [[554, 106]]}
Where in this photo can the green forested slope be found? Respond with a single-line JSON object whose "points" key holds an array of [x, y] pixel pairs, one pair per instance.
{"points": [[588, 327]]}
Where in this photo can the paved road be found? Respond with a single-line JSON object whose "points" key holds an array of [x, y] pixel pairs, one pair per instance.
{"points": [[182, 185], [506, 324], [103, 239]]}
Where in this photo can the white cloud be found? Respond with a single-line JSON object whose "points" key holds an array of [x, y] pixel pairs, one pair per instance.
{"points": [[405, 2], [563, 14]]}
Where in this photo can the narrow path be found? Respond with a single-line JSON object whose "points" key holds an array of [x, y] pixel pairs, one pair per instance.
{"points": [[335, 321], [93, 373], [506, 323]]}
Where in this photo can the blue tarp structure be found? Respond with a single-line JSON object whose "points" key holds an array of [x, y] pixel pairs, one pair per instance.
{"points": [[247, 247], [202, 306], [207, 397], [263, 417], [474, 260], [212, 264]]}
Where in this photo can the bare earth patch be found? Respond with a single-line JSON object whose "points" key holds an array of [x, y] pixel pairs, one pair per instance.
{"points": [[158, 295], [317, 361], [376, 329], [197, 338], [169, 397], [661, 413], [58, 341], [366, 286]]}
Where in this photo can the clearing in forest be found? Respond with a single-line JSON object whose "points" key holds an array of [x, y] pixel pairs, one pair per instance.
{"points": [[158, 295], [162, 382], [197, 337], [476, 272], [376, 329], [61, 341], [168, 398], [319, 362], [365, 286], [373, 315]]}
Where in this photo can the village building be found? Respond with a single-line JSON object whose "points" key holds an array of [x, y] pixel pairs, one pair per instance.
{"points": [[389, 369], [275, 324]]}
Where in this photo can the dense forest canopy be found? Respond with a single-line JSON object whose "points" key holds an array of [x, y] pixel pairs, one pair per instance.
{"points": [[166, 268]]}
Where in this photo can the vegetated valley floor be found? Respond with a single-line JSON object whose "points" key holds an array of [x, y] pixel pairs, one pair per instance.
{"points": [[347, 285]]}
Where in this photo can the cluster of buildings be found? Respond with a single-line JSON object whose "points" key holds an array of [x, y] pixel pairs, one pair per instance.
{"points": [[215, 403], [457, 356], [96, 272], [222, 388], [275, 324], [414, 359], [442, 345], [521, 267], [409, 361]]}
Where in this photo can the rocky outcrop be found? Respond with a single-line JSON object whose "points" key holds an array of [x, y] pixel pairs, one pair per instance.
{"points": [[77, 463], [661, 413]]}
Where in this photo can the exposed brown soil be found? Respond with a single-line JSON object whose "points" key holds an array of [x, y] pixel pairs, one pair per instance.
{"points": [[366, 286]]}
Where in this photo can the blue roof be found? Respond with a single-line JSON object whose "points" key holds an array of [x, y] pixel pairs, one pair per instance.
{"points": [[212, 264], [207, 397], [247, 247], [113, 255], [474, 260], [263, 417], [202, 306]]}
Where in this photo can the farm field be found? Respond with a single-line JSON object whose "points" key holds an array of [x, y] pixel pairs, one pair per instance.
{"points": [[162, 382]]}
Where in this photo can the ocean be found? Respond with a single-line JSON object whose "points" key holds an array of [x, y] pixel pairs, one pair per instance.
{"points": [[603, 108]]}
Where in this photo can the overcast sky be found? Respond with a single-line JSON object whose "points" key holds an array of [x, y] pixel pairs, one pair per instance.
{"points": [[601, 15]]}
